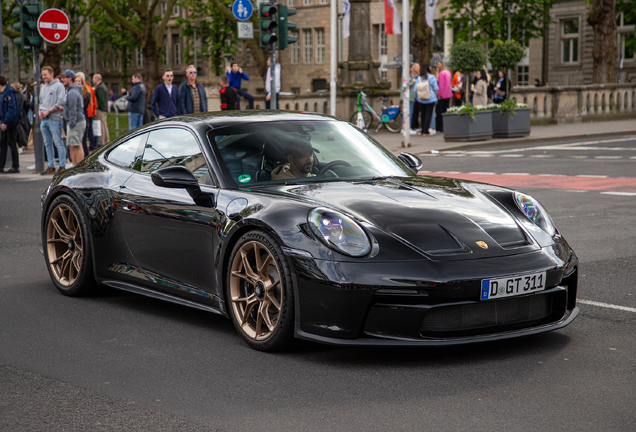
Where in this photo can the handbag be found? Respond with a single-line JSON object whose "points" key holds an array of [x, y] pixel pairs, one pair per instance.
{"points": [[97, 128], [500, 93]]}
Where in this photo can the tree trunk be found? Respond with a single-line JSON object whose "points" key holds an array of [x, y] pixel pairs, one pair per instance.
{"points": [[602, 17], [52, 58], [422, 48], [151, 53]]}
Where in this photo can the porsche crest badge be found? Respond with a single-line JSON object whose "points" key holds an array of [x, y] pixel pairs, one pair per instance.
{"points": [[482, 244]]}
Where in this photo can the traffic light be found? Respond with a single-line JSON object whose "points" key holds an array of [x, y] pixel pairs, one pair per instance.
{"points": [[28, 25], [284, 26], [267, 15]]}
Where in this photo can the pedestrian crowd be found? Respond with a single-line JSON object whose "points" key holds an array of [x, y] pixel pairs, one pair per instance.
{"points": [[433, 90]]}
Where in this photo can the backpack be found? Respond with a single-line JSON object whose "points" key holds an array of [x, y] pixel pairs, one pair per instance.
{"points": [[423, 90]]}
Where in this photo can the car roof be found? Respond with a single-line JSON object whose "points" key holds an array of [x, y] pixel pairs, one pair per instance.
{"points": [[228, 118]]}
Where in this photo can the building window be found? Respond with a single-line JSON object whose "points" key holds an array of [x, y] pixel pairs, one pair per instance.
{"points": [[177, 54], [139, 56], [308, 45], [248, 57], [570, 40], [175, 10], [164, 8], [523, 73], [295, 53], [320, 45], [290, 2], [626, 51], [384, 74], [383, 46], [306, 2], [324, 1], [438, 37], [625, 27]]}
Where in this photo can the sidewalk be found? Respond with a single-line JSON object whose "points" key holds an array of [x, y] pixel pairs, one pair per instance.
{"points": [[419, 144]]}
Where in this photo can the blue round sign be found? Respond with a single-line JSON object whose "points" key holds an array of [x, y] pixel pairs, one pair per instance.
{"points": [[242, 9]]}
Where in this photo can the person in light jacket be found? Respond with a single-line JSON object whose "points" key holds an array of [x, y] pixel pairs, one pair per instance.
{"points": [[73, 112], [426, 105], [480, 96]]}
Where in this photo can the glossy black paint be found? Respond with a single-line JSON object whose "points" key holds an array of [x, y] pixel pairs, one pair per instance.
{"points": [[163, 235]]}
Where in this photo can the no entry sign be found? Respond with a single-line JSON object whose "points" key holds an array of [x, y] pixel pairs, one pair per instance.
{"points": [[54, 26]]}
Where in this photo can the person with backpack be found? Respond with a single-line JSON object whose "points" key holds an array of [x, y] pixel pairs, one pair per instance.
{"points": [[425, 96], [10, 118]]}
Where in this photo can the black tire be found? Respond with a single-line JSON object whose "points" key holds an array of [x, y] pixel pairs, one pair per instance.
{"points": [[264, 294], [366, 115], [395, 125], [67, 246]]}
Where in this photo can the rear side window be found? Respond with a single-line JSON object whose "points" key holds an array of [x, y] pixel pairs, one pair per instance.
{"points": [[128, 153], [174, 147]]}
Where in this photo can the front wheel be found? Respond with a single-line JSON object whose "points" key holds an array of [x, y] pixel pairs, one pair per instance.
{"points": [[367, 119], [260, 293], [395, 125], [67, 248]]}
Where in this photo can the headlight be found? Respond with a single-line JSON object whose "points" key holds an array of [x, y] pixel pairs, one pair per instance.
{"points": [[339, 232], [535, 212]]}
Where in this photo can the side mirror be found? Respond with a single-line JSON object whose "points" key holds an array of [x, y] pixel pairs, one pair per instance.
{"points": [[411, 161], [180, 177]]}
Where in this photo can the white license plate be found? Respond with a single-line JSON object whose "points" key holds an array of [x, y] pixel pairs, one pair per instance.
{"points": [[512, 286]]}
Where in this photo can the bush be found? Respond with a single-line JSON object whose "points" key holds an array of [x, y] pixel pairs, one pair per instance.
{"points": [[467, 56], [506, 55]]}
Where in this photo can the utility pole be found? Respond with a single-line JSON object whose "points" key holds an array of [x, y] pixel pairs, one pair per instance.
{"points": [[406, 75], [38, 142], [272, 67]]}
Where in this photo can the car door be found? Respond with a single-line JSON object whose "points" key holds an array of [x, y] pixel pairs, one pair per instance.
{"points": [[171, 238]]}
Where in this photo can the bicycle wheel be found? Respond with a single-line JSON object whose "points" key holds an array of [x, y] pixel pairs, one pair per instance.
{"points": [[394, 125], [366, 116]]}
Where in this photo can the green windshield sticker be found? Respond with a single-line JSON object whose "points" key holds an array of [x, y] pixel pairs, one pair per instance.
{"points": [[244, 178]]}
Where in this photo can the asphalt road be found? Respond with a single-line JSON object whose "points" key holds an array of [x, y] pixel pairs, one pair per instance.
{"points": [[118, 361]]}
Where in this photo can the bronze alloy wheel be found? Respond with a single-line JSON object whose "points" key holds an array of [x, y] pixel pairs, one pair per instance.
{"points": [[64, 245], [256, 291]]}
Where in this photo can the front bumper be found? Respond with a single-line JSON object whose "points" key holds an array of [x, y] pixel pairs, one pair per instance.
{"points": [[429, 303]]}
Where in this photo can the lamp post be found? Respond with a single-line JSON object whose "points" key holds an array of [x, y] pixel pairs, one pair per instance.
{"points": [[512, 10]]}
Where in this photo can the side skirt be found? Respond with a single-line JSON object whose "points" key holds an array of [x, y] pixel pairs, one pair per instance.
{"points": [[160, 296]]}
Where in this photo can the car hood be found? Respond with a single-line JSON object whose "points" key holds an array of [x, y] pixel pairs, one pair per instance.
{"points": [[437, 216]]}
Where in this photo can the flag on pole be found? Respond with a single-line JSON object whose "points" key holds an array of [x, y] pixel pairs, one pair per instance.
{"points": [[430, 13], [391, 18], [346, 21]]}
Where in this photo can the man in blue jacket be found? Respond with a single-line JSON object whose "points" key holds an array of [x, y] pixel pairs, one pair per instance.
{"points": [[192, 97], [235, 74], [10, 117], [136, 102], [165, 99]]}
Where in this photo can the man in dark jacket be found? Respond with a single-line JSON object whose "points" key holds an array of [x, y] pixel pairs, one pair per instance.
{"points": [[228, 95], [101, 94], [192, 97], [165, 99], [10, 117], [136, 102]]}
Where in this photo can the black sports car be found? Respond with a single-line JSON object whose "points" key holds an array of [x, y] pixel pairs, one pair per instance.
{"points": [[300, 225]]}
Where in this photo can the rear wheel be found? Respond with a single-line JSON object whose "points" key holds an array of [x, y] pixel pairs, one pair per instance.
{"points": [[259, 292], [395, 125], [67, 248]]}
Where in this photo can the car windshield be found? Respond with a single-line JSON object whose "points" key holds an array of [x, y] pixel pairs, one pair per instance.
{"points": [[301, 151]]}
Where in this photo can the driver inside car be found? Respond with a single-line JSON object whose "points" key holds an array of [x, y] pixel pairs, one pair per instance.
{"points": [[300, 157]]}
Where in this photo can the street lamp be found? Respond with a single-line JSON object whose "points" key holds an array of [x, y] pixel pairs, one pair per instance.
{"points": [[513, 9]]}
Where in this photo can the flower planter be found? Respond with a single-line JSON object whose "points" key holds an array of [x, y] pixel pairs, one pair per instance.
{"points": [[460, 127], [504, 126]]}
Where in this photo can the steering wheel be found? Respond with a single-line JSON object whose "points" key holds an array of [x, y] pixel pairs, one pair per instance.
{"points": [[333, 164]]}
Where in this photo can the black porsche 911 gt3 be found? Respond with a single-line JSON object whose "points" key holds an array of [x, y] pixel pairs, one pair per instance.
{"points": [[300, 225]]}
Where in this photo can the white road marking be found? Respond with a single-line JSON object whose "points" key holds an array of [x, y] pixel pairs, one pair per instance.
{"points": [[516, 174], [482, 173], [482, 155], [591, 176], [619, 193], [541, 156], [512, 155], [608, 157], [578, 157], [606, 305]]}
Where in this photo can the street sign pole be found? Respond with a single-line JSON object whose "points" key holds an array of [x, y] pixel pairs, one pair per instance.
{"points": [[38, 142], [272, 68], [406, 75]]}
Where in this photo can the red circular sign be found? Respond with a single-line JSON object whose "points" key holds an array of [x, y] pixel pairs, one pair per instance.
{"points": [[54, 26]]}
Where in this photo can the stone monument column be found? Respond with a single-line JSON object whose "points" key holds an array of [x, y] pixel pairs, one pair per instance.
{"points": [[360, 71]]}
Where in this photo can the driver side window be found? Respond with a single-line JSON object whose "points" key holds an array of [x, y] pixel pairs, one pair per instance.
{"points": [[174, 147]]}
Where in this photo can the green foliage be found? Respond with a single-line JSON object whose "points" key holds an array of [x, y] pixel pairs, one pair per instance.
{"points": [[628, 8], [212, 28], [467, 56], [491, 19], [510, 105], [469, 109], [506, 55]]}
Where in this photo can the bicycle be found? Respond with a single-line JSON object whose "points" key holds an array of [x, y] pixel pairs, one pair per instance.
{"points": [[391, 116]]}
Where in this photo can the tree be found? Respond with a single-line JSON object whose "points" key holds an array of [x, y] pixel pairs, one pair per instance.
{"points": [[77, 11], [213, 29], [146, 27], [467, 57], [506, 55], [490, 19], [421, 34], [602, 17]]}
